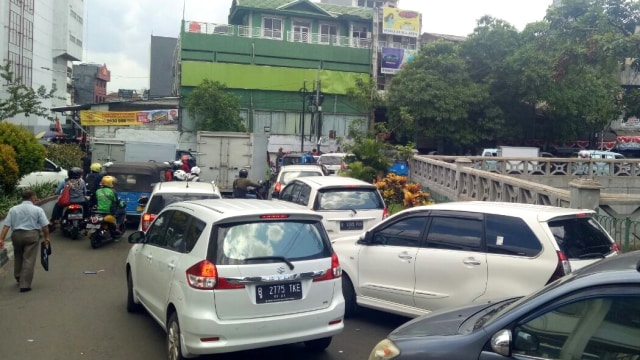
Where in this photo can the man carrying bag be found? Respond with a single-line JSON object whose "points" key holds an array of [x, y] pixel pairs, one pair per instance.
{"points": [[25, 220]]}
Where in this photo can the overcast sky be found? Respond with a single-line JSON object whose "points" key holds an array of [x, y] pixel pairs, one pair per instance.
{"points": [[118, 32]]}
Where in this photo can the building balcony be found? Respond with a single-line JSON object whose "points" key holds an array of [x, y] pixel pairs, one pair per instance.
{"points": [[396, 45], [278, 35]]}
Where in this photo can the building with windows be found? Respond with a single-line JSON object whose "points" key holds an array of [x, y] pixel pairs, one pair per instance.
{"points": [[277, 55], [40, 38], [90, 83]]}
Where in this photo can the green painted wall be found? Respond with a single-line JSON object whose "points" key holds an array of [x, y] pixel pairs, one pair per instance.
{"points": [[239, 76]]}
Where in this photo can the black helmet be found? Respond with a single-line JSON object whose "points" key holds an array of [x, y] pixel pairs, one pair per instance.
{"points": [[75, 173], [244, 173]]}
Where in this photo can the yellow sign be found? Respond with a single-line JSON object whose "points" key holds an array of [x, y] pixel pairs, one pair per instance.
{"points": [[128, 118], [400, 22]]}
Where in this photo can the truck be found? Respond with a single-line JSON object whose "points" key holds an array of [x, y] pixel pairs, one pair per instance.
{"points": [[222, 154], [117, 150], [519, 152]]}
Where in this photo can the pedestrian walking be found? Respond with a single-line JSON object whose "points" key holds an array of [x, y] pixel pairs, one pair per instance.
{"points": [[25, 220]]}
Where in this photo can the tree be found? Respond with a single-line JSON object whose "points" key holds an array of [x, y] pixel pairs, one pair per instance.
{"points": [[434, 96], [213, 108], [366, 98], [8, 168], [22, 99], [29, 153]]}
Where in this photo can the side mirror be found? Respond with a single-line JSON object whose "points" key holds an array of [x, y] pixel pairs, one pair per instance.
{"points": [[365, 239], [58, 169], [501, 342], [137, 237]]}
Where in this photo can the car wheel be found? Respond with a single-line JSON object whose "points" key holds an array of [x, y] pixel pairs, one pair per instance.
{"points": [[318, 345], [173, 338], [132, 307], [350, 303]]}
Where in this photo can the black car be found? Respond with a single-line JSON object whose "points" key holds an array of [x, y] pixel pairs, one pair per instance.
{"points": [[592, 313]]}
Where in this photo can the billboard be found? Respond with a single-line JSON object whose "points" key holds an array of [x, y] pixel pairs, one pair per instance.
{"points": [[400, 22], [129, 118], [394, 60]]}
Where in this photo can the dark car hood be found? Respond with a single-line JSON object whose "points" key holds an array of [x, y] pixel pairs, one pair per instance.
{"points": [[443, 323]]}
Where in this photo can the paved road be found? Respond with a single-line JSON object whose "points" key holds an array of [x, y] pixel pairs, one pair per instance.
{"points": [[69, 315]]}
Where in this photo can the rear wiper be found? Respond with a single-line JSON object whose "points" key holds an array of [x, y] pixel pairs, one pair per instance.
{"points": [[281, 258]]}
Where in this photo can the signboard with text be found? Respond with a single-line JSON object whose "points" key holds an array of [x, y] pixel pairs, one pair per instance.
{"points": [[394, 60], [129, 118], [400, 22]]}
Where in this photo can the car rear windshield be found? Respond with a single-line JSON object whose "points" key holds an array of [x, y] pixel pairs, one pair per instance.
{"points": [[354, 198], [256, 242], [581, 237], [160, 201], [331, 160], [290, 175]]}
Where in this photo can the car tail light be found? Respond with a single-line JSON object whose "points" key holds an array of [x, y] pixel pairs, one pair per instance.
{"points": [[562, 269], [74, 207], [615, 247], [385, 213], [334, 273], [204, 276], [278, 187], [146, 220]]}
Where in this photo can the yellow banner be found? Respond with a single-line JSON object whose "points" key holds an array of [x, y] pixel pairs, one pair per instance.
{"points": [[400, 22], [128, 118]]}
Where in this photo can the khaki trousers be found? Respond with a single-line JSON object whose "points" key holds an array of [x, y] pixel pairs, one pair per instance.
{"points": [[25, 252]]}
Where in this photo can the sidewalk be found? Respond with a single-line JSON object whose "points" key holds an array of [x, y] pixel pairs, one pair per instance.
{"points": [[6, 254]]}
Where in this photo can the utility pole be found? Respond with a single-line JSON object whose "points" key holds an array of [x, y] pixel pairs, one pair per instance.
{"points": [[303, 93]]}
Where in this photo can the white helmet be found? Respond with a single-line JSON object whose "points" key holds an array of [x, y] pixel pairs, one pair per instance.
{"points": [[180, 175], [195, 170]]}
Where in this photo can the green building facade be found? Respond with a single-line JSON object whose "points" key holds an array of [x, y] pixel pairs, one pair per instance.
{"points": [[271, 51]]}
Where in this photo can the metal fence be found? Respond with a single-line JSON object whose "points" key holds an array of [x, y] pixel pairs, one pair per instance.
{"points": [[625, 232]]}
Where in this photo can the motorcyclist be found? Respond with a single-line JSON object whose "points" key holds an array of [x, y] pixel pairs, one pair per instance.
{"points": [[108, 202], [93, 179], [180, 175], [77, 192], [195, 174], [241, 184], [186, 167]]}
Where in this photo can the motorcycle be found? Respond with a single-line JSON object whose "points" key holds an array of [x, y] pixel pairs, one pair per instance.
{"points": [[72, 221], [260, 193], [102, 228]]}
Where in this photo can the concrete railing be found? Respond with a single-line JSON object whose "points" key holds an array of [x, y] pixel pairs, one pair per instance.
{"points": [[462, 178]]}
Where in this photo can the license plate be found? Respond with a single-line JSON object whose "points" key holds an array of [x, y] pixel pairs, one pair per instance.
{"points": [[74, 216], [278, 292], [351, 225], [93, 226]]}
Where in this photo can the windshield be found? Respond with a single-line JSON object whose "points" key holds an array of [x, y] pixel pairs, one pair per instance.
{"points": [[331, 160], [160, 201], [349, 199], [292, 240], [581, 237]]}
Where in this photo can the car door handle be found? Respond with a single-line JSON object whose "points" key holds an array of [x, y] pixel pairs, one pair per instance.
{"points": [[470, 261], [171, 266], [405, 256], [149, 257]]}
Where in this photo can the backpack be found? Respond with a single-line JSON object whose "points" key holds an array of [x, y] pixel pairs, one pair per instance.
{"points": [[92, 182]]}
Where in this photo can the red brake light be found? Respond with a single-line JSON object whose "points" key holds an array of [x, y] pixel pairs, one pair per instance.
{"points": [[274, 216], [562, 269], [385, 213], [204, 276], [278, 187], [334, 273], [146, 220], [74, 207]]}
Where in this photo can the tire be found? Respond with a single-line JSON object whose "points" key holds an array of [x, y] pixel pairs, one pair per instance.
{"points": [[132, 307], [350, 303], [318, 345], [74, 233], [174, 350], [95, 239]]}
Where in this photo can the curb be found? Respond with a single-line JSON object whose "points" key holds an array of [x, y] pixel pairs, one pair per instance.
{"points": [[6, 254]]}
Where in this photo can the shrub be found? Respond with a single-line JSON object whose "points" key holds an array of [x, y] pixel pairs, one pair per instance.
{"points": [[398, 194], [8, 168], [65, 155], [29, 153]]}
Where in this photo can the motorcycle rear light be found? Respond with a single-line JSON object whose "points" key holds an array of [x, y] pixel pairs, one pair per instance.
{"points": [[334, 273], [74, 207]]}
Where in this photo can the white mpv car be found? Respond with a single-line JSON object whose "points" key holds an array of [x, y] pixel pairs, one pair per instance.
{"points": [[431, 257], [347, 205], [226, 275]]}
